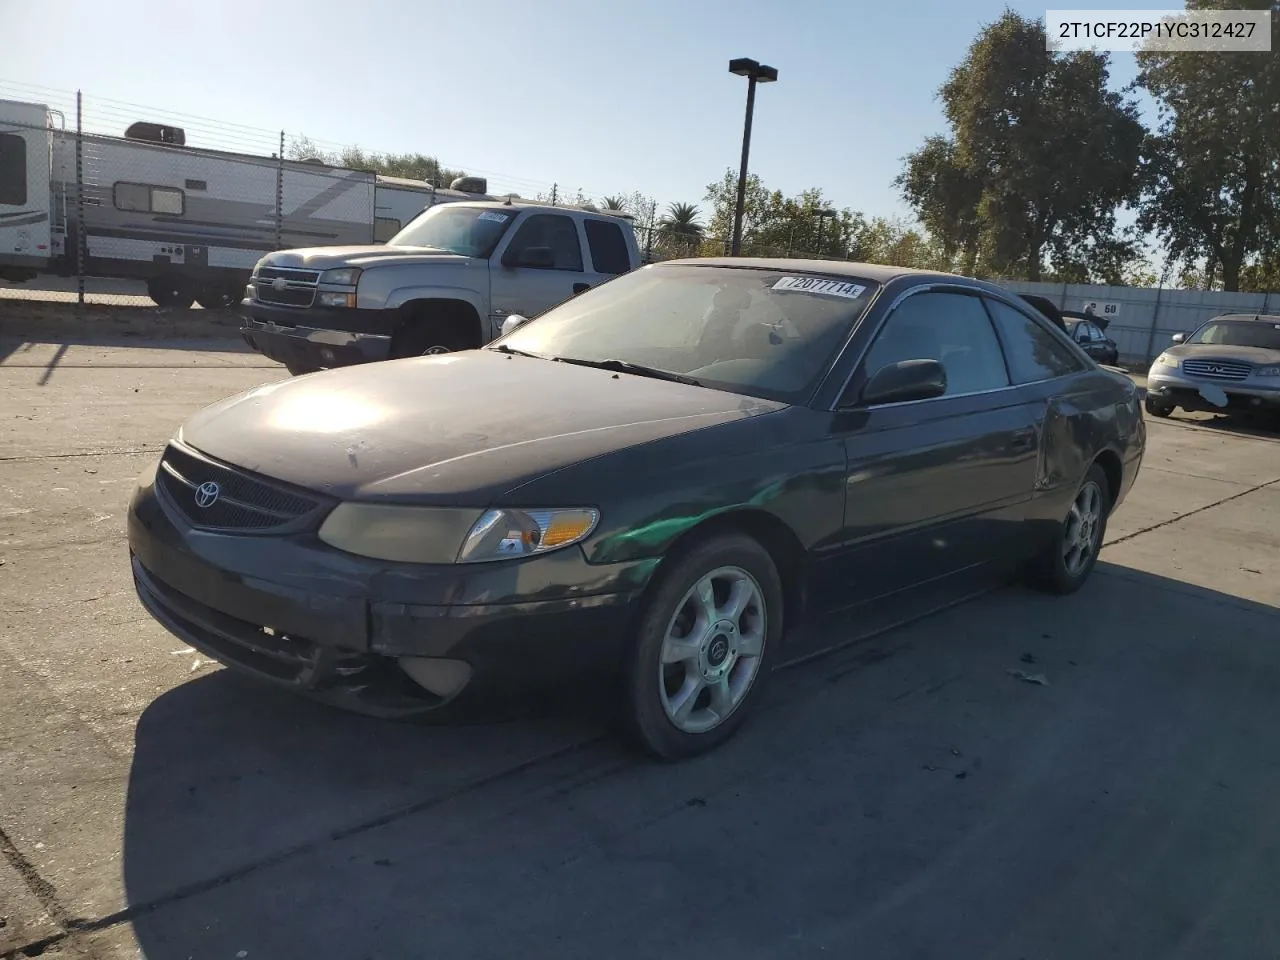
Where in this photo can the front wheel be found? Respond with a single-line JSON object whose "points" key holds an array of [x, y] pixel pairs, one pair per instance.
{"points": [[1068, 560], [300, 369], [703, 648], [425, 338], [1156, 408]]}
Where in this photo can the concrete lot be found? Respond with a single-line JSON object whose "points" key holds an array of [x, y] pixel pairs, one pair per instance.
{"points": [[905, 797]]}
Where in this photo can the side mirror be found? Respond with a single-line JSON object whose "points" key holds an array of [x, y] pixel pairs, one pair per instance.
{"points": [[539, 258], [906, 380], [1179, 338], [512, 322]]}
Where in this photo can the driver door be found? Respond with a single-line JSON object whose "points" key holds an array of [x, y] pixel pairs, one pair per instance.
{"points": [[516, 287], [939, 485]]}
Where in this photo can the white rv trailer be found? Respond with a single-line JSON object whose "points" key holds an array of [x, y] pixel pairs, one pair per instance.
{"points": [[189, 222]]}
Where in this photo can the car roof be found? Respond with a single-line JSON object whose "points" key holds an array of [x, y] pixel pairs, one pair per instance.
{"points": [[878, 272], [1250, 317], [545, 207]]}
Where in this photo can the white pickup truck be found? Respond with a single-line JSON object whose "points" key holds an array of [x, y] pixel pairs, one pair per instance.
{"points": [[446, 282]]}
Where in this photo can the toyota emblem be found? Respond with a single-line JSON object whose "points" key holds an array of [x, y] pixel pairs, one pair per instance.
{"points": [[207, 494], [279, 283]]}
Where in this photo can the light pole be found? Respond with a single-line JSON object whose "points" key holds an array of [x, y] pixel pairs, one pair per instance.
{"points": [[755, 72]]}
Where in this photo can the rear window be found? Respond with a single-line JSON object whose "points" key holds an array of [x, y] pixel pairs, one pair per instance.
{"points": [[13, 170], [608, 247]]}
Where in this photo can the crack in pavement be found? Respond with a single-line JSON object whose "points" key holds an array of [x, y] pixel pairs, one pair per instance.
{"points": [[1191, 513], [91, 453]]}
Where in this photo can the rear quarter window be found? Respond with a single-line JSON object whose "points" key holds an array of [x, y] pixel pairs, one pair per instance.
{"points": [[608, 247], [1033, 352]]}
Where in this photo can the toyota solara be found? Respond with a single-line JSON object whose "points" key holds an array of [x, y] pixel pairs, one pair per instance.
{"points": [[651, 482]]}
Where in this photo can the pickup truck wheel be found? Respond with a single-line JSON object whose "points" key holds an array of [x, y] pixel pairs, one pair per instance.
{"points": [[425, 338], [299, 369], [219, 298], [175, 292]]}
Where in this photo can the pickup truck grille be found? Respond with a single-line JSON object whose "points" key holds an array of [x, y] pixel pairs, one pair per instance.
{"points": [[1217, 369], [240, 501], [286, 286]]}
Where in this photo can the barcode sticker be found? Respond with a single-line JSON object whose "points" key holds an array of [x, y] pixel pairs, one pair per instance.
{"points": [[494, 217], [827, 288]]}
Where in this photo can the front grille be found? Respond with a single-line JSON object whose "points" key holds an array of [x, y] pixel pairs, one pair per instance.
{"points": [[1217, 369], [239, 501], [298, 290]]}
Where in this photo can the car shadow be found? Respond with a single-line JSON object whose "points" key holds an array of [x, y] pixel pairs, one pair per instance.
{"points": [[1242, 425], [258, 821]]}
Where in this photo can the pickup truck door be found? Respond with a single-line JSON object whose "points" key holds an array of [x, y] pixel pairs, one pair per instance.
{"points": [[517, 285]]}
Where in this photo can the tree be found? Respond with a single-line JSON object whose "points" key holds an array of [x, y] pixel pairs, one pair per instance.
{"points": [[613, 203], [1213, 177], [1041, 155], [414, 166]]}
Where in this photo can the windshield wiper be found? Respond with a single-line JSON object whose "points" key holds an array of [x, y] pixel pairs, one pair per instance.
{"points": [[503, 348], [639, 369]]}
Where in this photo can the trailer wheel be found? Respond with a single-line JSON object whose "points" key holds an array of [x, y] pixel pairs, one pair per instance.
{"points": [[172, 291], [219, 298]]}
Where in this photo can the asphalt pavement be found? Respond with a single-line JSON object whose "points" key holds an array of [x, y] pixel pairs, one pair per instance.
{"points": [[911, 795]]}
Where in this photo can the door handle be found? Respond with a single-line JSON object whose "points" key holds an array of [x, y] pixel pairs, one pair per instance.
{"points": [[1023, 439], [580, 288]]}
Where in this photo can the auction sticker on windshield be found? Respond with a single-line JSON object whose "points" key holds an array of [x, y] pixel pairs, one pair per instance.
{"points": [[829, 288], [495, 217]]}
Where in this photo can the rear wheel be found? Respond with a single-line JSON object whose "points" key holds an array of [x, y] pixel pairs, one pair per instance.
{"points": [[1156, 408], [174, 292], [1068, 560], [219, 298], [703, 648]]}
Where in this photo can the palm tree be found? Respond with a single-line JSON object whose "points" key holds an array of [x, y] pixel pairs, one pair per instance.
{"points": [[613, 203], [681, 222]]}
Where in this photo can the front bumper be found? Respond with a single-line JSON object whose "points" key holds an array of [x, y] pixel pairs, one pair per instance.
{"points": [[317, 336], [290, 610], [1190, 394]]}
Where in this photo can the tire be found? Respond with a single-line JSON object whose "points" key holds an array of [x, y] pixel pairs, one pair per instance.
{"points": [[671, 709], [173, 292], [218, 299], [1157, 409], [1066, 562], [300, 369], [426, 337]]}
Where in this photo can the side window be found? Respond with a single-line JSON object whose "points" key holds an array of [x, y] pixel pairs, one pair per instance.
{"points": [[948, 327], [608, 247], [1096, 334], [384, 228], [1034, 353], [13, 169], [167, 200], [552, 230], [148, 199]]}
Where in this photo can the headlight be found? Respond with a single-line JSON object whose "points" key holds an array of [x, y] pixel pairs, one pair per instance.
{"points": [[1164, 360], [326, 299], [501, 534], [449, 535], [347, 276], [256, 267], [1270, 371]]}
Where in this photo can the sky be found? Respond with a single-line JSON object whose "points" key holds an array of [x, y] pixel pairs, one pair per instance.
{"points": [[606, 97]]}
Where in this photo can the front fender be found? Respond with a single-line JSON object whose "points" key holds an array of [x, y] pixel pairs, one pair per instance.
{"points": [[400, 296]]}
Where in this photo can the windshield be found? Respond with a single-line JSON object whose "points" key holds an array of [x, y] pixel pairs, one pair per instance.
{"points": [[1240, 333], [469, 231], [765, 333]]}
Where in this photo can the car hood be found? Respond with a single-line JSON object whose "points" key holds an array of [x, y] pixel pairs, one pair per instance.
{"points": [[1219, 351], [327, 258], [459, 428]]}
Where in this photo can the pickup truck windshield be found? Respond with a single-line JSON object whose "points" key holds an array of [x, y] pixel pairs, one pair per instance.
{"points": [[764, 333], [468, 231]]}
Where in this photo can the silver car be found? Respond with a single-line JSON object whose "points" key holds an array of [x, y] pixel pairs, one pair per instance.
{"points": [[1231, 364]]}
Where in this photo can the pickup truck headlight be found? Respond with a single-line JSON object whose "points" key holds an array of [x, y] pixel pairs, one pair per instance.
{"points": [[1272, 370], [326, 299], [448, 535], [347, 276], [1164, 360]]}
